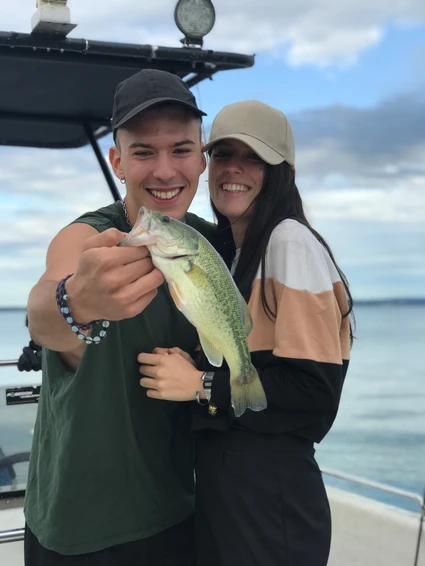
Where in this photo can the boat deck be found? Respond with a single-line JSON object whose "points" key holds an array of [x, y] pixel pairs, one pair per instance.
{"points": [[369, 533]]}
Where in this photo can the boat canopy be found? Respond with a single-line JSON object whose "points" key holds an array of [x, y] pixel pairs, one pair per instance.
{"points": [[58, 92]]}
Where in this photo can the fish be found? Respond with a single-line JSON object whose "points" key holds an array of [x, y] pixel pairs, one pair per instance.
{"points": [[203, 289]]}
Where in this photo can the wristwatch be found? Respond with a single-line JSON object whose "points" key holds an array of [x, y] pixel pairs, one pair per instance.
{"points": [[207, 379]]}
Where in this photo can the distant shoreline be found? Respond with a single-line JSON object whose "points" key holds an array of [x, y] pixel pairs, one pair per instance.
{"points": [[357, 302], [389, 302]]}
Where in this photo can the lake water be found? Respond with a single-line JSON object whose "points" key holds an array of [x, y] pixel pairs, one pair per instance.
{"points": [[379, 432]]}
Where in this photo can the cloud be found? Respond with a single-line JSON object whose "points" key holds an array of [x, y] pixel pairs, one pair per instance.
{"points": [[400, 204], [380, 260], [314, 32], [364, 163], [394, 129]]}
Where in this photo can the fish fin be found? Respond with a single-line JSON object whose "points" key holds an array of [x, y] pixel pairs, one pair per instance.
{"points": [[246, 315], [215, 357], [177, 295], [196, 273], [247, 393], [188, 267]]}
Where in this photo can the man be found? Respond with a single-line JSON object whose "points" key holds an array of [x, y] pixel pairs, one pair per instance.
{"points": [[110, 477]]}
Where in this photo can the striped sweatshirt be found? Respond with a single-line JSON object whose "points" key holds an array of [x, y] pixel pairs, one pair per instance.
{"points": [[302, 355]]}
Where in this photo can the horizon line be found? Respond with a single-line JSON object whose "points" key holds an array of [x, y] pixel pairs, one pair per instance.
{"points": [[369, 300]]}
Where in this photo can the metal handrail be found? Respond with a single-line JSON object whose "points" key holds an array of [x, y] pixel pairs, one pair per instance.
{"points": [[6, 461], [14, 535], [376, 485], [388, 489], [8, 363]]}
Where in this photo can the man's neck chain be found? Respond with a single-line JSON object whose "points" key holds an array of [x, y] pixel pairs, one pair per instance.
{"points": [[124, 207]]}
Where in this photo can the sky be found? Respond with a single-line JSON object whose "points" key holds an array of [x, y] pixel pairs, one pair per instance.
{"points": [[350, 77]]}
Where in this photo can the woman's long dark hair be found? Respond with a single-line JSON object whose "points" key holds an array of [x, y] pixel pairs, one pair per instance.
{"points": [[279, 199]]}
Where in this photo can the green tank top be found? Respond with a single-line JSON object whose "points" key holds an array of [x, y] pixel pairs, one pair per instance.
{"points": [[109, 465]]}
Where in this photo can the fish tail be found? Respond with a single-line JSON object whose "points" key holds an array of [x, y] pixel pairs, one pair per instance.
{"points": [[248, 393]]}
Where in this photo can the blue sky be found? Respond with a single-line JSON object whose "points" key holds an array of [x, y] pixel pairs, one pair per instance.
{"points": [[350, 77]]}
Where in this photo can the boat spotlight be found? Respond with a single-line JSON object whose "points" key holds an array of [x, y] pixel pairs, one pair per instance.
{"points": [[52, 18], [194, 18]]}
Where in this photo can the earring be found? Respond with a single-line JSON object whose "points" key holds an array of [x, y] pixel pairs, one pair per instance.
{"points": [[122, 181]]}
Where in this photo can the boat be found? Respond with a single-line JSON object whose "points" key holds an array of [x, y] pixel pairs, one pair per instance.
{"points": [[57, 93]]}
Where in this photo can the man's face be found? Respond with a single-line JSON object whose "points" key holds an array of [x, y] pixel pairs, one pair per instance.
{"points": [[159, 156]]}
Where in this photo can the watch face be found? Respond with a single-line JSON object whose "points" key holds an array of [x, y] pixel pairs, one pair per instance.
{"points": [[195, 17]]}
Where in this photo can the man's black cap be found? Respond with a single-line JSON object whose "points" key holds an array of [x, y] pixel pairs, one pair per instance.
{"points": [[148, 88]]}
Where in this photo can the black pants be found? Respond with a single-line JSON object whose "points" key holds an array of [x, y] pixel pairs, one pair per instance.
{"points": [[260, 501], [173, 547]]}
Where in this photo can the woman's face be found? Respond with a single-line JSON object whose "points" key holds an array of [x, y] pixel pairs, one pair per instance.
{"points": [[235, 177]]}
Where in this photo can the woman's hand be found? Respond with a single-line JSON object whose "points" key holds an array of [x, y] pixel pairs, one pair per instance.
{"points": [[170, 375], [175, 350]]}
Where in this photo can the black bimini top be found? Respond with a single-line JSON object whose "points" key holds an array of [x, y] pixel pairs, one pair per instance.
{"points": [[55, 92]]}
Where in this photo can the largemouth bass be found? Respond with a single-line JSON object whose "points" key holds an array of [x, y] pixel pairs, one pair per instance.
{"points": [[204, 291]]}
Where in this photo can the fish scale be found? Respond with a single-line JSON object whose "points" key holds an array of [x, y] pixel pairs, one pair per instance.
{"points": [[223, 317]]}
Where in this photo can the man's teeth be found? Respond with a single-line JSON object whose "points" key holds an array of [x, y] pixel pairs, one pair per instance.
{"points": [[231, 188], [165, 195]]}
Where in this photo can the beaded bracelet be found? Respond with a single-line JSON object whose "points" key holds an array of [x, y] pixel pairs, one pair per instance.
{"points": [[62, 303]]}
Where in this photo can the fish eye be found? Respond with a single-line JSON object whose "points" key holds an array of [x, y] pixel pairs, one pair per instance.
{"points": [[165, 218]]}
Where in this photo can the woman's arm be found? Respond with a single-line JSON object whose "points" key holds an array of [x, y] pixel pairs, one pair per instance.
{"points": [[299, 393], [302, 354]]}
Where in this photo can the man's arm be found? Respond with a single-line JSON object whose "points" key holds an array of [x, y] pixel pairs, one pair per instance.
{"points": [[45, 323], [109, 282]]}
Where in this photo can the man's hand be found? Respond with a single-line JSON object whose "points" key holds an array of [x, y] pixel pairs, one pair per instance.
{"points": [[111, 282]]}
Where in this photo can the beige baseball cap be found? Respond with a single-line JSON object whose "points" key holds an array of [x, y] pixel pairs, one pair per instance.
{"points": [[263, 128]]}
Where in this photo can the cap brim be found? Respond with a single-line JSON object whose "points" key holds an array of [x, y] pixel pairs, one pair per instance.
{"points": [[265, 152], [155, 102]]}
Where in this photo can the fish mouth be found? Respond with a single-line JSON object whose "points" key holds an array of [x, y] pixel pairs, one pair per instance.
{"points": [[147, 232], [171, 257], [140, 234], [143, 222]]}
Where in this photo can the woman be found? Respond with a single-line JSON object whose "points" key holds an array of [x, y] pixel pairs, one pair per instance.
{"points": [[260, 495]]}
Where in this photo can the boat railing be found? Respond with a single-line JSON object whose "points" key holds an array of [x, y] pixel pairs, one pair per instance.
{"points": [[8, 363], [411, 496]]}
